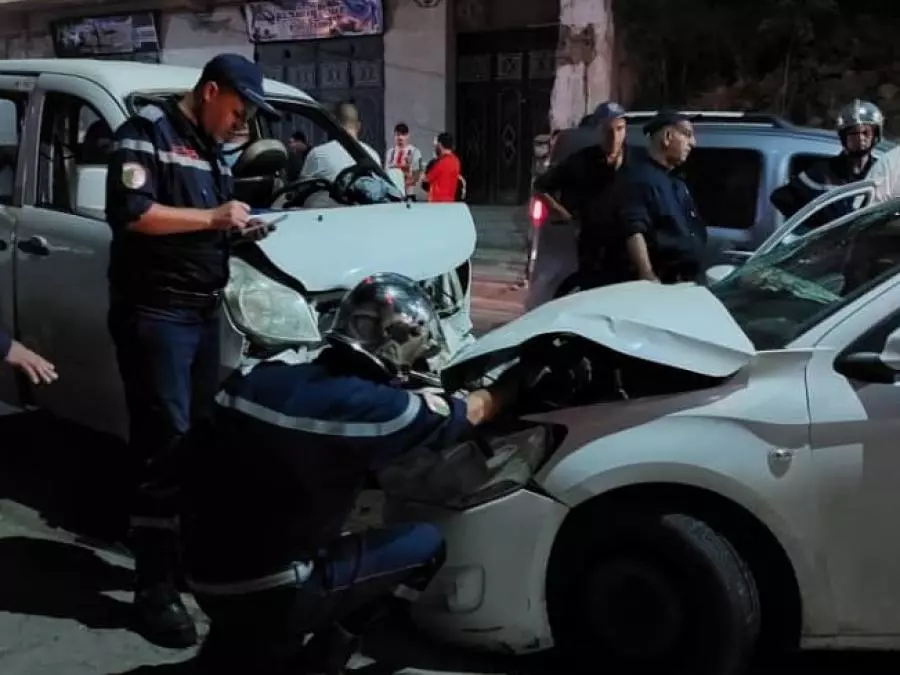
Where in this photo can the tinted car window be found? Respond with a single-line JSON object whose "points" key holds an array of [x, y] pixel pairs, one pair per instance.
{"points": [[725, 185]]}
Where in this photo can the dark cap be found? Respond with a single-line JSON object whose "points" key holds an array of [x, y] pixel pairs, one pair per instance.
{"points": [[667, 118], [242, 75], [605, 112]]}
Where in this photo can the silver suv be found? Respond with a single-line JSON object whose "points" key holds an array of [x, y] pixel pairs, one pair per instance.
{"points": [[739, 160]]}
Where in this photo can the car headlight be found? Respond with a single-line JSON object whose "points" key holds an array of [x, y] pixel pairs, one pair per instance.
{"points": [[268, 311], [467, 474]]}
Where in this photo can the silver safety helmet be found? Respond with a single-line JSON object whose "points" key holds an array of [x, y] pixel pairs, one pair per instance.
{"points": [[858, 113], [389, 318]]}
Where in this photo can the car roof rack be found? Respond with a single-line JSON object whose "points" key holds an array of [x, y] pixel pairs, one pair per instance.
{"points": [[721, 117]]}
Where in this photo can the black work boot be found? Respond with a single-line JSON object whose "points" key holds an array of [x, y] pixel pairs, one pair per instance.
{"points": [[159, 613], [328, 651]]}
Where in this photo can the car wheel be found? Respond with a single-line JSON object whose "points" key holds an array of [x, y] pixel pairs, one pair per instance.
{"points": [[655, 593]]}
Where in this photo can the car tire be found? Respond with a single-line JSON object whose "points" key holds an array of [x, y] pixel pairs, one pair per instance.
{"points": [[653, 593]]}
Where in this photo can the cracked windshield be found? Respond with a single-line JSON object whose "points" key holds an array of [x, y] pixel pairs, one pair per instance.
{"points": [[778, 295]]}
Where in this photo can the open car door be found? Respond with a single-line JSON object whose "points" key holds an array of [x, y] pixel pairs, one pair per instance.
{"points": [[860, 194]]}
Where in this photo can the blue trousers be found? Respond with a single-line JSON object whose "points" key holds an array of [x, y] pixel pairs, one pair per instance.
{"points": [[169, 363], [354, 579]]}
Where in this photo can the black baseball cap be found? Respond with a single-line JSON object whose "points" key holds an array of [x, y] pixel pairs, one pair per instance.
{"points": [[242, 75], [605, 112], [667, 118]]}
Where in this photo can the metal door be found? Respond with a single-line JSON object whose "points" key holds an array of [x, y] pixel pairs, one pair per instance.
{"points": [[504, 83], [332, 70]]}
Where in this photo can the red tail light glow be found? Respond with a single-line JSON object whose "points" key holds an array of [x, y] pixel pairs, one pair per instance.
{"points": [[538, 212]]}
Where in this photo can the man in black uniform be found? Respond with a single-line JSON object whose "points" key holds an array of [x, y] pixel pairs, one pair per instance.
{"points": [[860, 126], [570, 184], [169, 205], [657, 223], [579, 187], [274, 476]]}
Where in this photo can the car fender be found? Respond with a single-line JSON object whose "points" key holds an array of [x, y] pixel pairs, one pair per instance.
{"points": [[773, 482]]}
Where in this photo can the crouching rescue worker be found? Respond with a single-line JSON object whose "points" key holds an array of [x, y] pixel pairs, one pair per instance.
{"points": [[860, 126], [274, 476]]}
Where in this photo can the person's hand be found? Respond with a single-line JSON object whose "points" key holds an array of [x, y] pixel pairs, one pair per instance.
{"points": [[650, 276], [38, 369], [233, 215]]}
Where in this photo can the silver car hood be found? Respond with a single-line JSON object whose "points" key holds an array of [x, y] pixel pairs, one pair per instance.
{"points": [[683, 326], [333, 248]]}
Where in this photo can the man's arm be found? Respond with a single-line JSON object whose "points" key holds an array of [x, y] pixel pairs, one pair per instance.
{"points": [[132, 187], [790, 198], [413, 420], [634, 219]]}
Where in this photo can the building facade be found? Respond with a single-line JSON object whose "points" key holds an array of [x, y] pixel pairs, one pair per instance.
{"points": [[482, 69]]}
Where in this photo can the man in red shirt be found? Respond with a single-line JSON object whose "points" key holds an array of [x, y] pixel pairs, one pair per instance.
{"points": [[443, 174]]}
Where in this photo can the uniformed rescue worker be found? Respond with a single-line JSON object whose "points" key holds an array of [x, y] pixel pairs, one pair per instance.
{"points": [[860, 126], [169, 204], [579, 187], [275, 475], [662, 237]]}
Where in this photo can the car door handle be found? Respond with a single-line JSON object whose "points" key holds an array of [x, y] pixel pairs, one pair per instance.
{"points": [[35, 246]]}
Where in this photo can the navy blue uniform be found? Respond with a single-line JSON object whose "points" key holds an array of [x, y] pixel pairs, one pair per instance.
{"points": [[271, 483], [164, 289], [655, 202], [5, 344], [815, 181]]}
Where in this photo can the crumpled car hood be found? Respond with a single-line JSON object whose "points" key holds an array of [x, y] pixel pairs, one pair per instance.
{"points": [[683, 326], [334, 248]]}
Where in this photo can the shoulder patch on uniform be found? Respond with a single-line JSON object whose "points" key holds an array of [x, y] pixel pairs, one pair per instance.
{"points": [[134, 176], [437, 404], [151, 112]]}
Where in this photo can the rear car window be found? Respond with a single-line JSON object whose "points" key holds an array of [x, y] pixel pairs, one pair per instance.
{"points": [[725, 185]]}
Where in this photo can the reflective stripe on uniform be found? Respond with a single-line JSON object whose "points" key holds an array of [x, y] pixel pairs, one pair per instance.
{"points": [[164, 156], [323, 427], [298, 573]]}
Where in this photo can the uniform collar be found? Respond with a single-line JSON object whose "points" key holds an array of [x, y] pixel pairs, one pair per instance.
{"points": [[191, 130]]}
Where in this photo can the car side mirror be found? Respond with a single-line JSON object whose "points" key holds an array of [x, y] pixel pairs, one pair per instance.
{"points": [[716, 273], [866, 367], [874, 367]]}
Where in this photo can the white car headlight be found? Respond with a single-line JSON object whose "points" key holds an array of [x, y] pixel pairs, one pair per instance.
{"points": [[267, 310]]}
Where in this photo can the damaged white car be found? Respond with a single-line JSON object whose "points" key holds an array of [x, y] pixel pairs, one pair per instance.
{"points": [[699, 475], [56, 122]]}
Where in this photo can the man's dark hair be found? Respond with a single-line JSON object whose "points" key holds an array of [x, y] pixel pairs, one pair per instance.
{"points": [[300, 137], [445, 138], [402, 128]]}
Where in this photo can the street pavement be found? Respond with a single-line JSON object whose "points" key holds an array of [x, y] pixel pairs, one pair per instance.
{"points": [[63, 597]]}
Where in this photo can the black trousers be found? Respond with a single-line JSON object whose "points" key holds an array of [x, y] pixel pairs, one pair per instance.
{"points": [[169, 363]]}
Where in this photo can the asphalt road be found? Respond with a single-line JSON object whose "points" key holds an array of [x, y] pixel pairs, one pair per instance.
{"points": [[63, 607]]}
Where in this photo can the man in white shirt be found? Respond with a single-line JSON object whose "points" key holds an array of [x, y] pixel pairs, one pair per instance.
{"points": [[405, 157], [326, 161], [886, 175]]}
